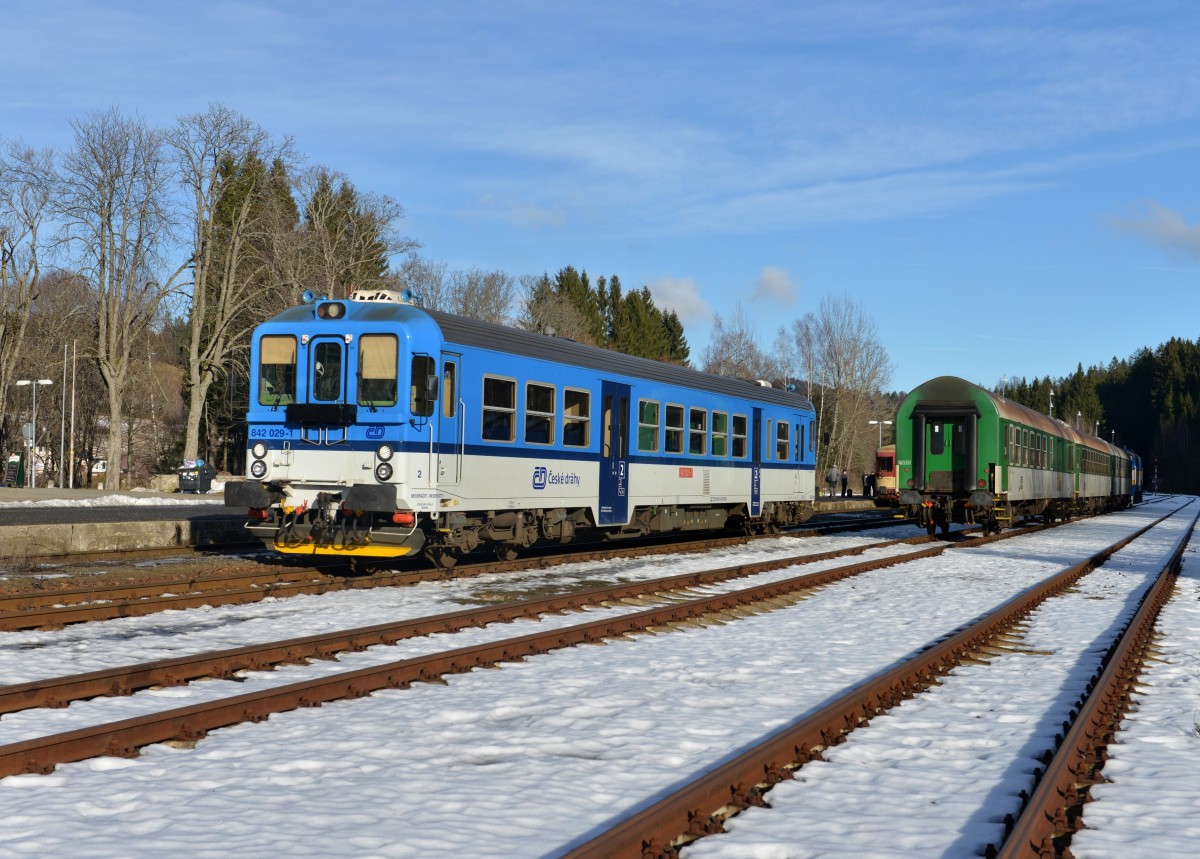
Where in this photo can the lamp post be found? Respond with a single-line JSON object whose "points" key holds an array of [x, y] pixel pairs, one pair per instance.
{"points": [[32, 441], [881, 425]]}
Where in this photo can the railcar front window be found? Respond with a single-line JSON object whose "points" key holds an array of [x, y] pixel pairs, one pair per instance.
{"points": [[327, 371], [697, 431], [539, 414], [739, 436], [499, 409], [720, 433], [577, 413], [674, 434], [377, 370], [277, 370], [648, 426]]}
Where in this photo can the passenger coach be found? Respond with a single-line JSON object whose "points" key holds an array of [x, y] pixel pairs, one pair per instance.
{"points": [[967, 455], [379, 429]]}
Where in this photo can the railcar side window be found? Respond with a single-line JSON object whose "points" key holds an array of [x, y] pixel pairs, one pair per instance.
{"points": [[781, 440], [739, 436], [768, 448], [648, 425], [377, 370], [539, 414], [327, 371], [720, 433], [697, 431], [499, 408], [277, 370], [812, 438], [422, 386], [674, 434], [577, 413]]}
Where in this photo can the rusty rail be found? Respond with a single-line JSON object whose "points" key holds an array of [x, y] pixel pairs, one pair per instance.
{"points": [[1054, 810], [698, 808]]}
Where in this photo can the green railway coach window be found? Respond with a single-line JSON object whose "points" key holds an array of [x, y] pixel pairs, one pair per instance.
{"points": [[378, 371], [674, 434], [539, 413], [937, 439], [277, 370], [720, 433], [739, 436], [577, 413], [781, 440], [697, 431], [958, 443], [648, 425], [499, 409]]}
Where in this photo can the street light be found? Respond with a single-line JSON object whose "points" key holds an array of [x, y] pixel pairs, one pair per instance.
{"points": [[881, 425], [32, 440]]}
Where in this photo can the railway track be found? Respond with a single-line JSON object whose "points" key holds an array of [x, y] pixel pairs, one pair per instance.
{"points": [[187, 726], [1043, 825], [675, 604], [59, 607]]}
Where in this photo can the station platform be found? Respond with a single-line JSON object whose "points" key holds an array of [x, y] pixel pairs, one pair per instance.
{"points": [[47, 523]]}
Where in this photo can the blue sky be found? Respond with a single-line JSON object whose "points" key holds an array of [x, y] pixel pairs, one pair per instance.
{"points": [[1008, 188]]}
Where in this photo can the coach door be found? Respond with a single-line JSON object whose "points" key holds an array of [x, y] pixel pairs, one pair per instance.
{"points": [[945, 455], [450, 422], [756, 465], [614, 454]]}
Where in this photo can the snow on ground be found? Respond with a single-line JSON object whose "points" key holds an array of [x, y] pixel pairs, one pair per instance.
{"points": [[526, 760], [116, 501]]}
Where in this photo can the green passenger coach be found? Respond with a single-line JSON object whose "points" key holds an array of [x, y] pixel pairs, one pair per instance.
{"points": [[964, 454]]}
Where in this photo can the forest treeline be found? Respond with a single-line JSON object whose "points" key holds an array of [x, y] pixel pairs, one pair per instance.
{"points": [[1149, 402]]}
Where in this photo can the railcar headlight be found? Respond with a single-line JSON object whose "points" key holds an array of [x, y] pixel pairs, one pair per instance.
{"points": [[383, 472], [258, 468], [384, 452], [259, 450]]}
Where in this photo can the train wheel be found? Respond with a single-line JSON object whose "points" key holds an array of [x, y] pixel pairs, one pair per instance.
{"points": [[444, 557], [506, 552]]}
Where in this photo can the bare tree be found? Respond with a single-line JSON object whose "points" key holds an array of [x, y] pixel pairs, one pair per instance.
{"points": [[846, 365], [427, 279], [114, 211], [484, 295], [733, 349], [219, 157], [26, 193]]}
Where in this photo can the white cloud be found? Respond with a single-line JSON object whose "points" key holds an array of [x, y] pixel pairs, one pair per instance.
{"points": [[683, 297], [1167, 229], [776, 286]]}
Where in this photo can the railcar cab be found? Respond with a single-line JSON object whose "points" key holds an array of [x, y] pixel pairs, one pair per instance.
{"points": [[337, 389]]}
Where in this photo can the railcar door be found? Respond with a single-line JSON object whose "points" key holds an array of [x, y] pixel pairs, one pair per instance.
{"points": [[945, 455], [614, 454], [450, 422], [323, 420], [756, 465]]}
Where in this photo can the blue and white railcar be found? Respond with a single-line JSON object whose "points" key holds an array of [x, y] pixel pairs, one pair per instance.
{"points": [[379, 429]]}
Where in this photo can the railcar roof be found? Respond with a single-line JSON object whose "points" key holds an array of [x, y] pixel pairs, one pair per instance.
{"points": [[956, 390], [486, 335]]}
